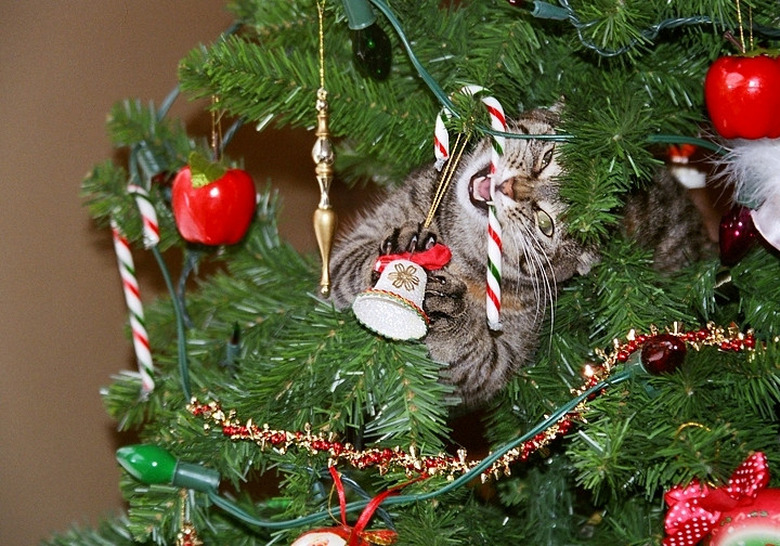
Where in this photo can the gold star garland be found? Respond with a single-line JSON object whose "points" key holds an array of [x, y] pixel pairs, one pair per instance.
{"points": [[712, 335], [384, 459], [729, 339], [187, 535]]}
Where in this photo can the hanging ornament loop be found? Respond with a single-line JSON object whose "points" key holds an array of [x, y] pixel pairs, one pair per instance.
{"points": [[216, 129]]}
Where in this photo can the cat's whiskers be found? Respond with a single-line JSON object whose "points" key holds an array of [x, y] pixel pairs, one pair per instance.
{"points": [[541, 272], [552, 291], [539, 265]]}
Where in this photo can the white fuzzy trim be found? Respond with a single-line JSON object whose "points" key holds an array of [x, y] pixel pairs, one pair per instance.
{"points": [[753, 167], [690, 177]]}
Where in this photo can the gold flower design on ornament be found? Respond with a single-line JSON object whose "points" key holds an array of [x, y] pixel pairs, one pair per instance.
{"points": [[404, 277]]}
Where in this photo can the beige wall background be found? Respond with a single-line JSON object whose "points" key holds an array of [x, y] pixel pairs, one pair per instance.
{"points": [[62, 314]]}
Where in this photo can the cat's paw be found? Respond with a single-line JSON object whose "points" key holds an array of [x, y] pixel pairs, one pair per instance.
{"points": [[445, 297], [410, 237]]}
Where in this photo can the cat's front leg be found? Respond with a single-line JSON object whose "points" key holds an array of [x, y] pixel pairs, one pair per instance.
{"points": [[481, 361], [409, 237], [445, 293]]}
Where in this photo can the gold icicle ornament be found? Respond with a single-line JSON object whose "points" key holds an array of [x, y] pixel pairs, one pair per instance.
{"points": [[324, 217]]}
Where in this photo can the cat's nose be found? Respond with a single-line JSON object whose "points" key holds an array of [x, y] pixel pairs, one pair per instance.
{"points": [[507, 188]]}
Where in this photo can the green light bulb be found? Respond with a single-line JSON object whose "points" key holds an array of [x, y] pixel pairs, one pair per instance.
{"points": [[147, 463], [152, 464], [372, 52], [371, 49]]}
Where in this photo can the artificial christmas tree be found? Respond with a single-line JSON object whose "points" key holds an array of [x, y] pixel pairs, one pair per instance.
{"points": [[262, 396]]}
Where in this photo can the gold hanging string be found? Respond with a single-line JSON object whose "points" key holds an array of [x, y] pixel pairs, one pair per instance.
{"points": [[216, 129], [690, 424], [446, 176], [741, 31], [321, 36]]}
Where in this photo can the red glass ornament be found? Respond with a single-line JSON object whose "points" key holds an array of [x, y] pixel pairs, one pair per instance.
{"points": [[737, 235], [663, 353]]}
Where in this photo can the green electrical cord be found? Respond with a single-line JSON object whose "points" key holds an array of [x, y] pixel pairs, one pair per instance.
{"points": [[436, 89], [181, 339]]}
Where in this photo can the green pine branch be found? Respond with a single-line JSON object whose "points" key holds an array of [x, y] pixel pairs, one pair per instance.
{"points": [[113, 532]]}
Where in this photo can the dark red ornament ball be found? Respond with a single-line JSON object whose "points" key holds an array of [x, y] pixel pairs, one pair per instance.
{"points": [[663, 353], [737, 235]]}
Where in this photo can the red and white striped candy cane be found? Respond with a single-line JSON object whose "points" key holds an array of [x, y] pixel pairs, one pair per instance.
{"points": [[441, 142], [494, 243], [133, 299], [148, 215], [493, 286]]}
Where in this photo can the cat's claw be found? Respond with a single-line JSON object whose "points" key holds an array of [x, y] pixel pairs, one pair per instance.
{"points": [[409, 238]]}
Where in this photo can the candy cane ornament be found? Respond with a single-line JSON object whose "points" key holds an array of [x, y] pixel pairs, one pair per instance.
{"points": [[494, 236], [441, 142], [133, 299], [151, 226], [494, 241]]}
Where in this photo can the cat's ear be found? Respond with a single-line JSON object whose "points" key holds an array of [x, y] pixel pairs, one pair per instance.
{"points": [[587, 260]]}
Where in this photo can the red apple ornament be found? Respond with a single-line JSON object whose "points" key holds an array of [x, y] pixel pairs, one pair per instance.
{"points": [[212, 205], [743, 96]]}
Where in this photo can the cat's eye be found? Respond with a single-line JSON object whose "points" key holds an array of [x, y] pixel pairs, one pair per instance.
{"points": [[545, 223], [547, 157]]}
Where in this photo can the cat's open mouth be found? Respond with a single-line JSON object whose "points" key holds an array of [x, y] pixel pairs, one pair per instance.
{"points": [[479, 189]]}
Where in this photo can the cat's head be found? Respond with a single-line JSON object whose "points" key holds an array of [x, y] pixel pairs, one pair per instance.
{"points": [[528, 205]]}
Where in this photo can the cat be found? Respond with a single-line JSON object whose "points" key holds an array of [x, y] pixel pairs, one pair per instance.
{"points": [[538, 254]]}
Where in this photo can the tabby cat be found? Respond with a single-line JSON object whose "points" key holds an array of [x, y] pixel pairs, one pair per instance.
{"points": [[538, 255]]}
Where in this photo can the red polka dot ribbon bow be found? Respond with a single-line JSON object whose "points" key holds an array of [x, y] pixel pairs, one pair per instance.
{"points": [[696, 509]]}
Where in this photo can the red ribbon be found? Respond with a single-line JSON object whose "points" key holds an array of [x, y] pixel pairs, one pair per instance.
{"points": [[695, 510], [431, 259], [357, 535]]}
